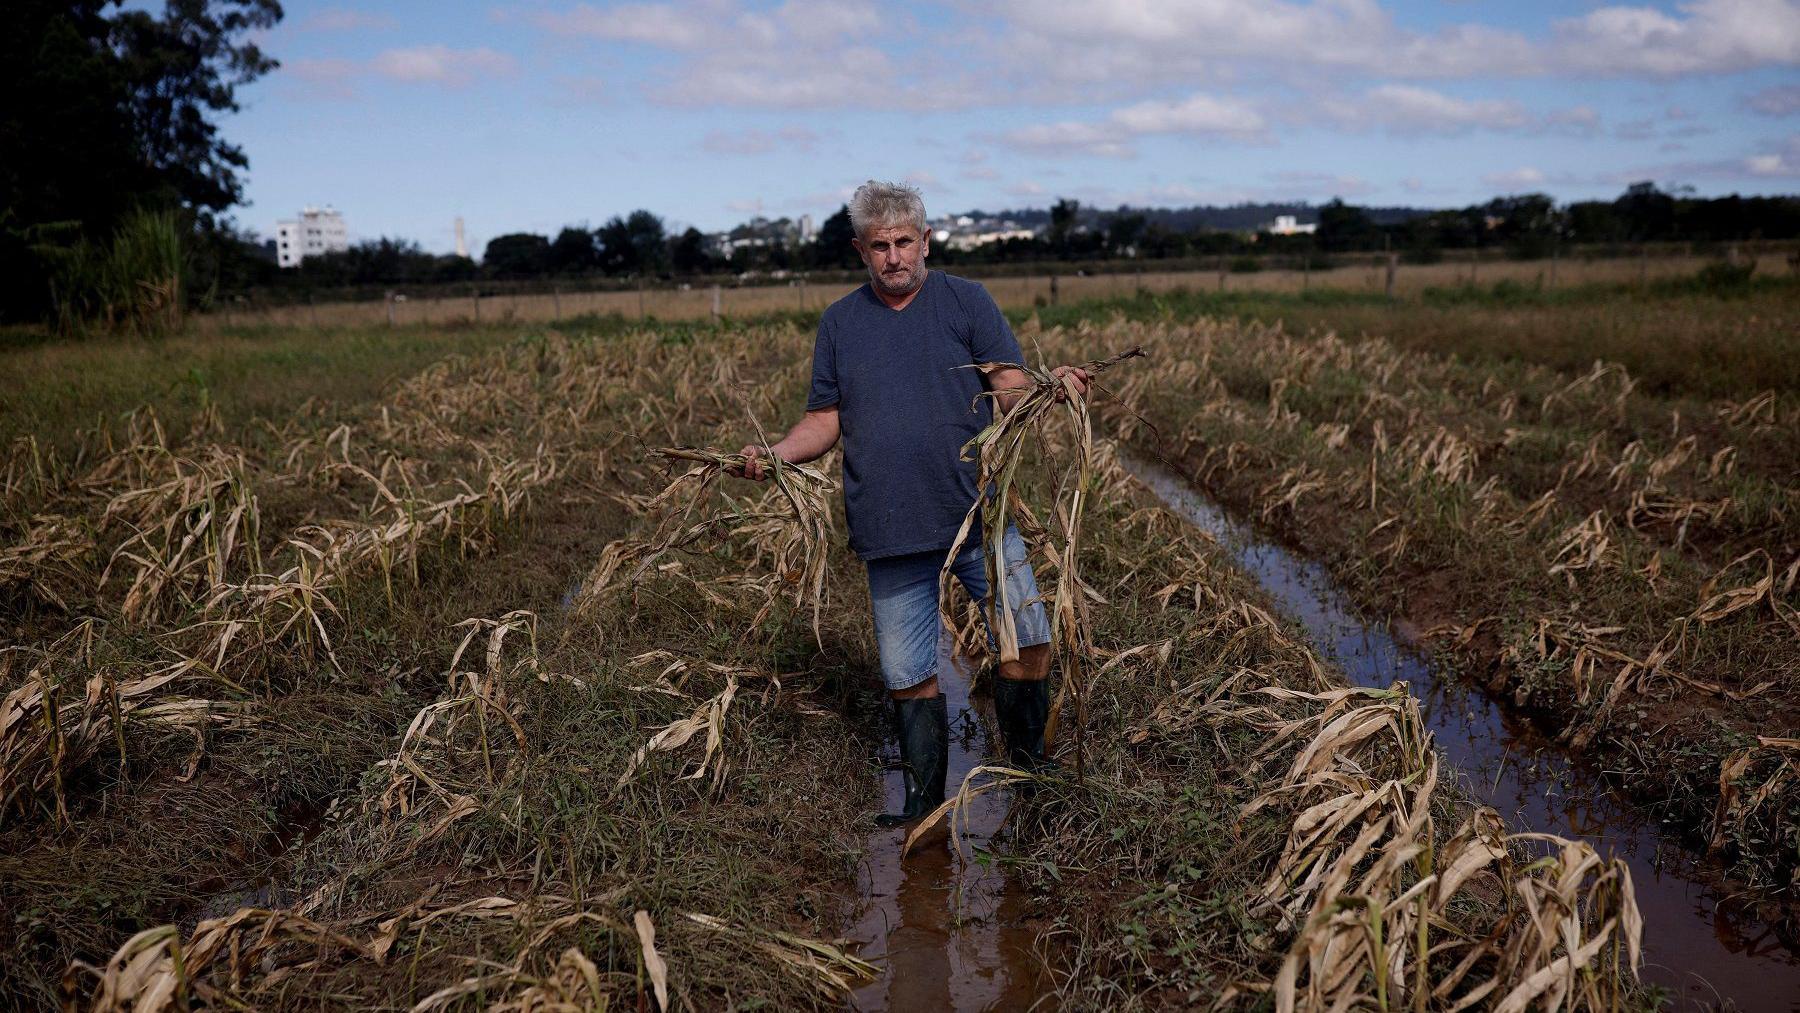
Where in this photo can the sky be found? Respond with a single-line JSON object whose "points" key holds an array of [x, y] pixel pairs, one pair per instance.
{"points": [[530, 116]]}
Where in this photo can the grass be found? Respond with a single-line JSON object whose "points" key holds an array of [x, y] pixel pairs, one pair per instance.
{"points": [[1677, 338]]}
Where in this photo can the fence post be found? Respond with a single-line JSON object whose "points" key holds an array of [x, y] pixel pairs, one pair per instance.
{"points": [[1221, 272], [716, 303], [1393, 265], [1053, 291]]}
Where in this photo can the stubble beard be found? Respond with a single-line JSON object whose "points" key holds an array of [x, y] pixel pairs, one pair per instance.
{"points": [[885, 283]]}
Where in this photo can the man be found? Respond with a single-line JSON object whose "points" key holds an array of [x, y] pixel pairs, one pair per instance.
{"points": [[886, 378]]}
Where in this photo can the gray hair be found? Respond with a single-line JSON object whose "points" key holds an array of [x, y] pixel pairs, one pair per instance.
{"points": [[878, 205]]}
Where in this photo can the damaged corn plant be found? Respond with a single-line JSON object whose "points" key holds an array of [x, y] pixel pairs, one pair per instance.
{"points": [[1251, 831], [1617, 561], [564, 819]]}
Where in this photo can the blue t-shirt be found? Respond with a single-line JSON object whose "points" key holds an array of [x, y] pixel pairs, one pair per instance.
{"points": [[904, 408]]}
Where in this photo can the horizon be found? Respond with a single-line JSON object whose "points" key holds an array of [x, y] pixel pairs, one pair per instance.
{"points": [[708, 112]]}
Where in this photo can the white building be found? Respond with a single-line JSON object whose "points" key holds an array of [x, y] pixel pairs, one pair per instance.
{"points": [[316, 231], [1289, 225]]}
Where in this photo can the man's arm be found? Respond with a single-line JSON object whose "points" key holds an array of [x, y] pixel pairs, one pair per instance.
{"points": [[810, 438], [1001, 379]]}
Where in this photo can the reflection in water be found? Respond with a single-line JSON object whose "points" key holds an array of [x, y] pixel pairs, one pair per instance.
{"points": [[949, 933], [1701, 946]]}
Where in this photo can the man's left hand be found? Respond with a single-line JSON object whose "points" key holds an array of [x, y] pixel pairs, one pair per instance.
{"points": [[1077, 378]]}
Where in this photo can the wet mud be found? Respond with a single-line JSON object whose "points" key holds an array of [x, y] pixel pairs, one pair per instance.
{"points": [[948, 930]]}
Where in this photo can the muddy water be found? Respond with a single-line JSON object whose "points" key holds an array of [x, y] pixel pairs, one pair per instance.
{"points": [[1708, 951], [948, 931]]}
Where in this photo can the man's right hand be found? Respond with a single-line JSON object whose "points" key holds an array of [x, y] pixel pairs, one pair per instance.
{"points": [[753, 466]]}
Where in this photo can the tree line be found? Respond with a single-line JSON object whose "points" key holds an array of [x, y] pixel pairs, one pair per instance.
{"points": [[638, 245]]}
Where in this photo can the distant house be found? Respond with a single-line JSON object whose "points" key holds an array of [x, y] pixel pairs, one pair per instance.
{"points": [[965, 233], [316, 231], [1289, 225]]}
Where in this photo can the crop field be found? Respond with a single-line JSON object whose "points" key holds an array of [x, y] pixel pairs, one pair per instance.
{"points": [[443, 667]]}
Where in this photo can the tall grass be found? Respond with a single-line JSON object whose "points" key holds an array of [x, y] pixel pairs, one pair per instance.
{"points": [[132, 284]]}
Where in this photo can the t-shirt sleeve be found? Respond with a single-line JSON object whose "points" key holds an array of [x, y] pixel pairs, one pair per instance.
{"points": [[990, 336], [824, 392]]}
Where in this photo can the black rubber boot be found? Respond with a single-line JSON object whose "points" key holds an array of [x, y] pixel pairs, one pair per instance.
{"points": [[923, 726], [1021, 708]]}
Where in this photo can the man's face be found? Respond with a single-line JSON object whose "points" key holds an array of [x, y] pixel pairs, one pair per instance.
{"points": [[895, 258]]}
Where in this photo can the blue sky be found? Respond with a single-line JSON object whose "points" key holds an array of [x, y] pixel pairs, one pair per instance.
{"points": [[535, 115]]}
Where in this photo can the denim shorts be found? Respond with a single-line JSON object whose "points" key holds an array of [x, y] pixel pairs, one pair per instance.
{"points": [[909, 633]]}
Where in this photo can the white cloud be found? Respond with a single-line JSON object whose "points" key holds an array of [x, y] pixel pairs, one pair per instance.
{"points": [[1196, 115], [339, 19], [746, 206], [1104, 140], [801, 54], [1410, 110], [1326, 183], [1521, 178], [1770, 160], [1026, 188], [667, 26], [326, 78], [1781, 163], [1707, 37], [1779, 100], [440, 64], [760, 142], [1079, 40]]}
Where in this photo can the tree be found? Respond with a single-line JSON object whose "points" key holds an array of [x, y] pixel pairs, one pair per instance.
{"points": [[1529, 224], [688, 253], [180, 69], [649, 242], [1647, 212], [574, 251], [1346, 227], [634, 244], [1062, 222], [831, 247], [104, 115], [517, 255], [1124, 232]]}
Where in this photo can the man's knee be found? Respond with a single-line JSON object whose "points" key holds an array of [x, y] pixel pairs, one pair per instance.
{"points": [[923, 691], [1033, 664]]}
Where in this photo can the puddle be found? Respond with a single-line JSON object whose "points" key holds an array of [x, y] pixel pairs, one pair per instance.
{"points": [[1709, 951], [948, 933]]}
